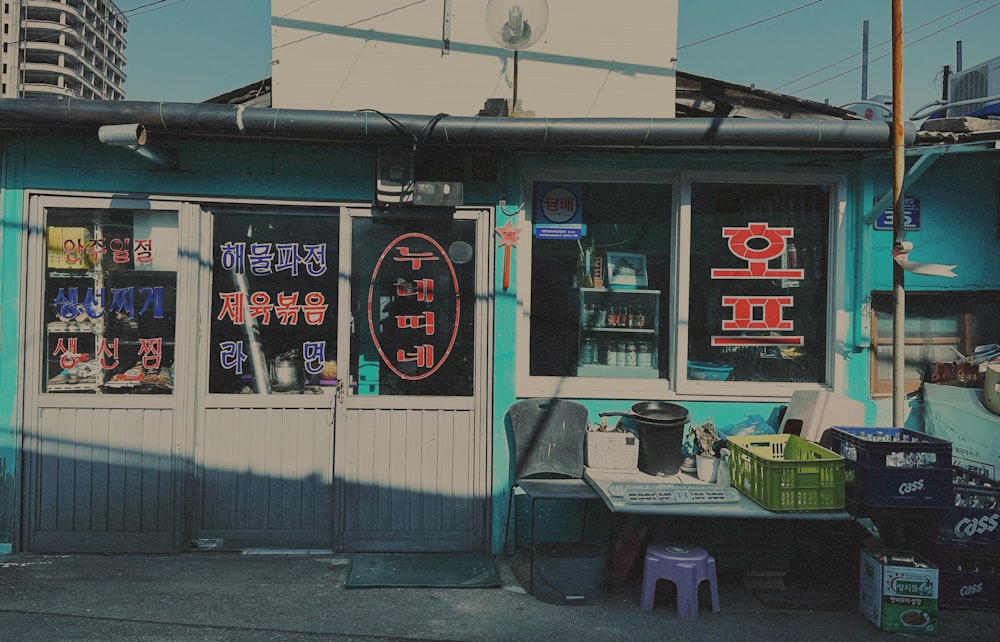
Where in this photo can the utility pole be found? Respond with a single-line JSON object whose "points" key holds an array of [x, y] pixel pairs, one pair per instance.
{"points": [[899, 170]]}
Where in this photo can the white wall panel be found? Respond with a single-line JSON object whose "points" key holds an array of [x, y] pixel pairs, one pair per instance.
{"points": [[595, 59]]}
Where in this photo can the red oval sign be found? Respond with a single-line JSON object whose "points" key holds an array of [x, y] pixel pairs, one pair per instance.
{"points": [[414, 306]]}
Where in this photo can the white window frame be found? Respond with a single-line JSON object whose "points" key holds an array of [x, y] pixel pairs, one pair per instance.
{"points": [[677, 385]]}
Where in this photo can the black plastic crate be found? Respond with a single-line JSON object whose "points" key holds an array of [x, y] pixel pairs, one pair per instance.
{"points": [[894, 467], [969, 576], [974, 517]]}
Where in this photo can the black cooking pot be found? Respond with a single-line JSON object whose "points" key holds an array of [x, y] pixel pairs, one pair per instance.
{"points": [[660, 426]]}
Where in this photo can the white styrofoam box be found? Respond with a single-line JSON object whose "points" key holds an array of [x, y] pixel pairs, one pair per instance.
{"points": [[811, 413]]}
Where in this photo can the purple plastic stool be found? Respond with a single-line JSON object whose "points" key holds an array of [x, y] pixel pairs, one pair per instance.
{"points": [[684, 565]]}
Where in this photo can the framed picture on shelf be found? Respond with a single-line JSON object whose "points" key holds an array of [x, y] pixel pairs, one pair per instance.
{"points": [[626, 270]]}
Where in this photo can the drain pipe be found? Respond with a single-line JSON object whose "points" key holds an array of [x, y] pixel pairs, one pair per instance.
{"points": [[367, 126], [133, 138]]}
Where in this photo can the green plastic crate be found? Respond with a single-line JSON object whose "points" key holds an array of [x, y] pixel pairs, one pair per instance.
{"points": [[786, 472]]}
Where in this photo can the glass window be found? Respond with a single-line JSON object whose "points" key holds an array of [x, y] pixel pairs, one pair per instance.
{"points": [[274, 302], [600, 279], [939, 325], [758, 282], [111, 299], [414, 305]]}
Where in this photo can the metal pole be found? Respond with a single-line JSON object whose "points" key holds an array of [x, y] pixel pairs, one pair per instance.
{"points": [[898, 171], [864, 62], [513, 106]]}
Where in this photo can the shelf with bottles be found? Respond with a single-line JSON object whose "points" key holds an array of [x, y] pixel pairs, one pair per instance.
{"points": [[615, 332]]}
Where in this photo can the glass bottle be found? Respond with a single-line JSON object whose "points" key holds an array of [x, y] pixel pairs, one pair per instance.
{"points": [[631, 355], [622, 355], [644, 354], [611, 358]]}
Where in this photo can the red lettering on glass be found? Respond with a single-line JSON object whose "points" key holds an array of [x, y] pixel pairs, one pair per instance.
{"points": [[423, 355], [96, 248], [742, 342], [151, 350], [260, 307], [425, 321], [559, 203], [415, 258], [757, 258], [757, 312], [232, 306], [288, 308], [393, 346], [73, 250], [108, 350], [423, 289], [314, 308], [66, 350], [144, 250], [120, 250]]}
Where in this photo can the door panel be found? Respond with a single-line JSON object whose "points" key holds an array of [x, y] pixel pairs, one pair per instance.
{"points": [[413, 434], [102, 447], [103, 480], [263, 455], [410, 479], [266, 478]]}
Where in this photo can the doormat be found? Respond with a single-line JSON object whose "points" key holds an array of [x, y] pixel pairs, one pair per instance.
{"points": [[422, 570], [841, 599]]}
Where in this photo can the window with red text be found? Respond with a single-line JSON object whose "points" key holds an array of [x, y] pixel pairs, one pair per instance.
{"points": [[758, 282]]}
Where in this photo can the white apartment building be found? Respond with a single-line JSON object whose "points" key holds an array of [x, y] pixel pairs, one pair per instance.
{"points": [[62, 49]]}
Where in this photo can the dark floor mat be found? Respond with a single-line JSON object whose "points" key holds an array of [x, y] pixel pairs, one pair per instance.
{"points": [[844, 599], [422, 570]]}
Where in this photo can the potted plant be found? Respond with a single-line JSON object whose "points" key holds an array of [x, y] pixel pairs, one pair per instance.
{"points": [[706, 457]]}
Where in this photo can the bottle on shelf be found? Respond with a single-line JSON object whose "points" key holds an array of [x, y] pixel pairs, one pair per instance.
{"points": [[631, 356], [611, 357]]}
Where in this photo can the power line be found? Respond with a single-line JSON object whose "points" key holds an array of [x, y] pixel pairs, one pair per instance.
{"points": [[884, 42], [351, 24], [149, 6], [747, 26], [945, 28]]}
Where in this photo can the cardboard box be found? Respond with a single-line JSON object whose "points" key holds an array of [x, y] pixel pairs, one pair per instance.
{"points": [[899, 591]]}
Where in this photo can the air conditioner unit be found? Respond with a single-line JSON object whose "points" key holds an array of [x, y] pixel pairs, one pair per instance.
{"points": [[980, 81]]}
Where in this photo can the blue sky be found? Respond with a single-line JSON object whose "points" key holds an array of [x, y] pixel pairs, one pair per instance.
{"points": [[191, 50]]}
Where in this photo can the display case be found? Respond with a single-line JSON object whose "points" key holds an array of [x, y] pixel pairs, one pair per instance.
{"points": [[616, 332]]}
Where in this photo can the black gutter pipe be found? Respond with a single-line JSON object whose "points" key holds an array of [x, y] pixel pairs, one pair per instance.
{"points": [[369, 126]]}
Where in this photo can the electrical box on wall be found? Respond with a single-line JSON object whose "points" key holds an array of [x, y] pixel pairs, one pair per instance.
{"points": [[395, 184], [437, 193], [393, 176]]}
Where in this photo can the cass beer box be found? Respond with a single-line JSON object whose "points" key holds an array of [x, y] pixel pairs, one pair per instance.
{"points": [[899, 591]]}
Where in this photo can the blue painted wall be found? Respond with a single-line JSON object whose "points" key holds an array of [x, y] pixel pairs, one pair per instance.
{"points": [[959, 198]]}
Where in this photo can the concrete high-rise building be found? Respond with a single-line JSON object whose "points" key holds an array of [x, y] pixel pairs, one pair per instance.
{"points": [[62, 49]]}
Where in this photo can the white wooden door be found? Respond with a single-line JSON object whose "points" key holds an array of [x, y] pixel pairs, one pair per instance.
{"points": [[413, 434], [104, 439]]}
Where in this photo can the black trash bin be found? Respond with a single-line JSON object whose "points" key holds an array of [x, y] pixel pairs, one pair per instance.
{"points": [[570, 572], [660, 426]]}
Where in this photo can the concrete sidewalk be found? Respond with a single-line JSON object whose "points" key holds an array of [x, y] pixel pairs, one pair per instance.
{"points": [[233, 596]]}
